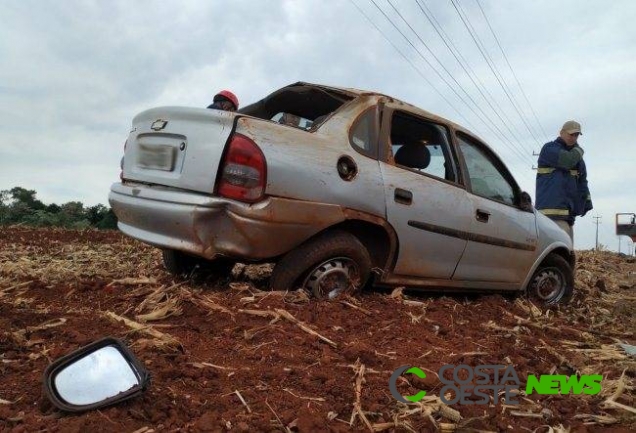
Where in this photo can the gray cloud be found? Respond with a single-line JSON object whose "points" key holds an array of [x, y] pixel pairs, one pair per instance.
{"points": [[75, 73]]}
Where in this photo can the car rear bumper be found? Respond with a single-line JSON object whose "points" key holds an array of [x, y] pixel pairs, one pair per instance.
{"points": [[211, 226]]}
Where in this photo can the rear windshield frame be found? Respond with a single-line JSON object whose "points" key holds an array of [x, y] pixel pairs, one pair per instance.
{"points": [[309, 102]]}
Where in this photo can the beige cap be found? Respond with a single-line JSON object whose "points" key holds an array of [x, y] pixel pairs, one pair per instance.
{"points": [[571, 127]]}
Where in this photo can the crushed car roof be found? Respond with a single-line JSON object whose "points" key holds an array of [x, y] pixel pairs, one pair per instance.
{"points": [[353, 92]]}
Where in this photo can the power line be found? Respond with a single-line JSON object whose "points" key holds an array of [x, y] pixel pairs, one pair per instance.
{"points": [[519, 153], [454, 80], [512, 70], [422, 56], [465, 66], [412, 64], [490, 63], [420, 72], [430, 16]]}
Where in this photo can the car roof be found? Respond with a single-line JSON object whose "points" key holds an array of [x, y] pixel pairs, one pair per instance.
{"points": [[413, 108]]}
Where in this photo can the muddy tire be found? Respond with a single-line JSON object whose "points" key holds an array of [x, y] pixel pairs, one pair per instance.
{"points": [[328, 266], [553, 281], [178, 263]]}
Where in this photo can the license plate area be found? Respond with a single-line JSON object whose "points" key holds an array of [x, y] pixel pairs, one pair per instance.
{"points": [[156, 157]]}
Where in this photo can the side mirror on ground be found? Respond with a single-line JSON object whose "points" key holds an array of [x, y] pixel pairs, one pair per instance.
{"points": [[100, 374], [525, 202]]}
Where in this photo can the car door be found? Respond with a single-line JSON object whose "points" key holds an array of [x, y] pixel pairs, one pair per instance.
{"points": [[502, 236], [427, 206]]}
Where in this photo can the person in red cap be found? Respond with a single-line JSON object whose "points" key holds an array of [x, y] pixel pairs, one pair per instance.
{"points": [[225, 100]]}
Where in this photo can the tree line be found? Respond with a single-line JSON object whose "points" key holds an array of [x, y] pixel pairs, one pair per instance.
{"points": [[20, 206]]}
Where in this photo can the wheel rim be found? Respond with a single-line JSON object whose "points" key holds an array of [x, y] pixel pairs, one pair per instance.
{"points": [[549, 285], [332, 278]]}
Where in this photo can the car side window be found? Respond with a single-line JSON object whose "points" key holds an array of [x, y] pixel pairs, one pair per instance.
{"points": [[363, 133], [486, 179], [422, 146]]}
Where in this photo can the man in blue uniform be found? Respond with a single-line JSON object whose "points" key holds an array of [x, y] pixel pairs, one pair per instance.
{"points": [[562, 192]]}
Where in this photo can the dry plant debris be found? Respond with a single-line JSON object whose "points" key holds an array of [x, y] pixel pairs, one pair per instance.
{"points": [[231, 354], [159, 339]]}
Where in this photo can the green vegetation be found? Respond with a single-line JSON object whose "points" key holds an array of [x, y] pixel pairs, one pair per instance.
{"points": [[20, 206]]}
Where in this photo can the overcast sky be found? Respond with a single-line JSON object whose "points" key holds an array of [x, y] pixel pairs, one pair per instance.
{"points": [[74, 73]]}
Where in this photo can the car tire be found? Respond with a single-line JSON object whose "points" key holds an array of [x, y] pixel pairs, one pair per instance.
{"points": [[328, 266], [553, 282], [179, 263]]}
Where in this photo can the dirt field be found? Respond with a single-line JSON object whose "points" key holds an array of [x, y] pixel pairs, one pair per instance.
{"points": [[228, 355]]}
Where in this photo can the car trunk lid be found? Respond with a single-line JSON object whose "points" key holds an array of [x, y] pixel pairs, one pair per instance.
{"points": [[177, 147]]}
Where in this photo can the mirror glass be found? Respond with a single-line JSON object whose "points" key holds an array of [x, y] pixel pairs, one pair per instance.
{"points": [[95, 377]]}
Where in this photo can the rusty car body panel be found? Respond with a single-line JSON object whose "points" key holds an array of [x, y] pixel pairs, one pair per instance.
{"points": [[427, 230], [208, 226]]}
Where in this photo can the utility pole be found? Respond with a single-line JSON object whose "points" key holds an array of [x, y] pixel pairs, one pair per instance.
{"points": [[597, 218], [619, 244], [534, 154]]}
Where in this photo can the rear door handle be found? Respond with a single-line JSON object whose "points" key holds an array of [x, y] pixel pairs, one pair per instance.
{"points": [[403, 196], [482, 215]]}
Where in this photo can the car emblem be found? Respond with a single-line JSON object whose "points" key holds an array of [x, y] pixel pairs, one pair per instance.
{"points": [[158, 125]]}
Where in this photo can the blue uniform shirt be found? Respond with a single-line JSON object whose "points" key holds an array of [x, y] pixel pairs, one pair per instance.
{"points": [[561, 190]]}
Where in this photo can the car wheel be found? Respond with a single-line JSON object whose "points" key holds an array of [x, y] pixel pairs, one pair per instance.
{"points": [[179, 263], [553, 282], [328, 266]]}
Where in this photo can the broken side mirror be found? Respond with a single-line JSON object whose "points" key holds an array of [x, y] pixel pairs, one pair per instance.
{"points": [[525, 202], [103, 373]]}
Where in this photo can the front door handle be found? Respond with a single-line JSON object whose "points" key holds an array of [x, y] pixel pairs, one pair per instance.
{"points": [[403, 196], [482, 215]]}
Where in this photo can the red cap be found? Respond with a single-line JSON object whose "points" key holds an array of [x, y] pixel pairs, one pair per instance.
{"points": [[229, 95]]}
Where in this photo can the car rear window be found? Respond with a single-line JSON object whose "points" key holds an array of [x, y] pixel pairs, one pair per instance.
{"points": [[302, 106]]}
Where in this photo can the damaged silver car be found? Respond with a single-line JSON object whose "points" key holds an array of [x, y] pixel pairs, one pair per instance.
{"points": [[340, 188]]}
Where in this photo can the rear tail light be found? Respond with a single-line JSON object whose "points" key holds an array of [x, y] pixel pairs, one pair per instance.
{"points": [[243, 171]]}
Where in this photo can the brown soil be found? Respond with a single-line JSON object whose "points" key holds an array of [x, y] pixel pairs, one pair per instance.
{"points": [[225, 338]]}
